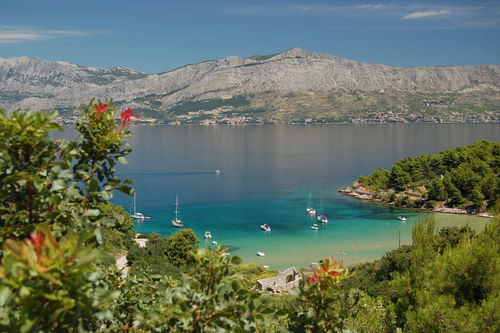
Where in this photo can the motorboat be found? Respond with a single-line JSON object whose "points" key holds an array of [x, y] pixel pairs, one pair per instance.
{"points": [[138, 216], [322, 218], [208, 235], [315, 227], [401, 218], [214, 242], [177, 222], [265, 227], [261, 254]]}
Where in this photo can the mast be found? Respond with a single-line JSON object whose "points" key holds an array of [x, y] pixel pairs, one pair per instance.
{"points": [[176, 208], [134, 203]]}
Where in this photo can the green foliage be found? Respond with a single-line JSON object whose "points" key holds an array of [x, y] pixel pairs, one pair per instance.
{"points": [[377, 180], [369, 314], [450, 288], [48, 285], [161, 253], [250, 273], [120, 237], [187, 107], [437, 191], [463, 176], [207, 298], [179, 247], [399, 177], [320, 303], [58, 182]]}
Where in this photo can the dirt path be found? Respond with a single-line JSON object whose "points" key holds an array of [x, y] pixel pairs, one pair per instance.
{"points": [[121, 262]]}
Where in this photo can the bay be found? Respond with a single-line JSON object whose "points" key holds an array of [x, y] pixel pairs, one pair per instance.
{"points": [[266, 175]]}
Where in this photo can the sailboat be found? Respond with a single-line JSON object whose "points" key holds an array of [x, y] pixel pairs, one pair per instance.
{"points": [[311, 211], [322, 217], [177, 222], [137, 215]]}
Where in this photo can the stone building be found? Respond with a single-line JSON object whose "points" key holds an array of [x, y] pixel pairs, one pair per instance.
{"points": [[285, 280]]}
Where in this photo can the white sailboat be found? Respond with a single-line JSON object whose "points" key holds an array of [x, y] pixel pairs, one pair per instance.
{"points": [[177, 222], [138, 216], [311, 211]]}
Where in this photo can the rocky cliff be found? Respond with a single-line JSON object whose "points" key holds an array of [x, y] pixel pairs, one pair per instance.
{"points": [[288, 76]]}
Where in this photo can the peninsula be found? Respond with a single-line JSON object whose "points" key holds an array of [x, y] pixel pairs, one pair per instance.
{"points": [[463, 180]]}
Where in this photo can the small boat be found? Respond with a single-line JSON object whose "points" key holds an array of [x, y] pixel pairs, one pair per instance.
{"points": [[177, 222], [138, 216], [311, 211], [208, 235], [401, 218], [265, 227], [322, 219], [315, 227], [217, 171], [261, 254], [214, 242], [265, 267]]}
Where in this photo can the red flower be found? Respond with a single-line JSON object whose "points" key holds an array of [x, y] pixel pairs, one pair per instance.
{"points": [[125, 116], [313, 279], [100, 108], [334, 273]]}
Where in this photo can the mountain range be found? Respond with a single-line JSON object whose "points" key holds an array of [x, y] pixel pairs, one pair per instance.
{"points": [[293, 86]]}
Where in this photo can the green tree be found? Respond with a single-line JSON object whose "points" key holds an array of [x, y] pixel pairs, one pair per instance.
{"points": [[437, 191], [180, 245], [399, 178], [455, 196]]}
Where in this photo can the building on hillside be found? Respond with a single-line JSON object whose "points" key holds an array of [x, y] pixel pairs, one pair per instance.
{"points": [[285, 280]]}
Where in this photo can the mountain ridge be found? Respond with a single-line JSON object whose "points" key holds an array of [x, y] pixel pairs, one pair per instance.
{"points": [[39, 84]]}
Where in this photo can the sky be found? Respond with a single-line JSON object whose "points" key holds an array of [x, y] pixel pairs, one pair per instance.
{"points": [[155, 36]]}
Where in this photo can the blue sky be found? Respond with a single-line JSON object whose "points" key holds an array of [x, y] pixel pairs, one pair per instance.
{"points": [[156, 36]]}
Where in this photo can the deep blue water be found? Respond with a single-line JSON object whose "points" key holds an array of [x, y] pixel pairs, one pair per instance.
{"points": [[266, 175]]}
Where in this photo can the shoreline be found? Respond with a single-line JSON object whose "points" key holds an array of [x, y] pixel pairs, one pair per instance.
{"points": [[358, 191]]}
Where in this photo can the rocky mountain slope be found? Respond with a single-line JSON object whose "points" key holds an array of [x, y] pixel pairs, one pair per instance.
{"points": [[277, 87]]}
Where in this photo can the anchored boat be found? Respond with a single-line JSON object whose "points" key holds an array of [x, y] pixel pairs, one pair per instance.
{"points": [[138, 216], [265, 227], [177, 222]]}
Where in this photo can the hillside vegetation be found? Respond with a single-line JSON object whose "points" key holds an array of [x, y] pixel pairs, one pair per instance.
{"points": [[58, 231], [466, 177]]}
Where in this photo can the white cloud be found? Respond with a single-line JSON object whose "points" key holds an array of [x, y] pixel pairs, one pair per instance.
{"points": [[429, 13], [16, 34]]}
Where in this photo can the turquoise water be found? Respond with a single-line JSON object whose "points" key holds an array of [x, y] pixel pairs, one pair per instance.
{"points": [[267, 173]]}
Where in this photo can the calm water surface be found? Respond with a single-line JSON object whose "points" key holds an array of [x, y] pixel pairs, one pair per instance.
{"points": [[267, 173]]}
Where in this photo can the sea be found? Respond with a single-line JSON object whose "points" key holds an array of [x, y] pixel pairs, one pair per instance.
{"points": [[230, 180]]}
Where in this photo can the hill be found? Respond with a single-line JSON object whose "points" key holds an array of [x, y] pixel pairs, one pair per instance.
{"points": [[293, 86]]}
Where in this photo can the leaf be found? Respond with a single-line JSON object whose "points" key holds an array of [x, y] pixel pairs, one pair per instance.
{"points": [[92, 212], [122, 160], [93, 185], [99, 235], [5, 295]]}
